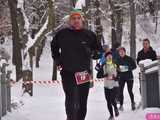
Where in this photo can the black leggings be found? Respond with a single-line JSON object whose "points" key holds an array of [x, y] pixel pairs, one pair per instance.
{"points": [[75, 96], [129, 87], [110, 95]]}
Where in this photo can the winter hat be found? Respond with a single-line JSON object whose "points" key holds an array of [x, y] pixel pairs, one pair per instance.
{"points": [[122, 48], [108, 53], [76, 12], [105, 47]]}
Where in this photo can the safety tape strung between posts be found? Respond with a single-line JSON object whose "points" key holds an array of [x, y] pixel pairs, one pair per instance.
{"points": [[48, 82]]}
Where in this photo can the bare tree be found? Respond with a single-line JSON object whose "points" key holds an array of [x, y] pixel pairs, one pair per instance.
{"points": [[98, 25], [117, 20], [113, 23], [155, 10], [132, 29], [29, 43], [17, 57], [119, 23]]}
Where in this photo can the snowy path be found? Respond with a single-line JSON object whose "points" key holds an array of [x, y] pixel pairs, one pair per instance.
{"points": [[48, 100], [48, 104]]}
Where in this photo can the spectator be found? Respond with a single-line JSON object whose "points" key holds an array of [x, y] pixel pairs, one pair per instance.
{"points": [[147, 52]]}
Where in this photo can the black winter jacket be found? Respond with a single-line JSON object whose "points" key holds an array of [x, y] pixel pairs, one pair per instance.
{"points": [[151, 54], [126, 61], [73, 49]]}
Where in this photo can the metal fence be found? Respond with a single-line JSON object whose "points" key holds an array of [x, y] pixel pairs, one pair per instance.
{"points": [[150, 84], [5, 90]]}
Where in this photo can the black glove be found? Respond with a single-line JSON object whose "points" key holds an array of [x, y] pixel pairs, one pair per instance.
{"points": [[100, 74], [117, 78], [98, 67]]}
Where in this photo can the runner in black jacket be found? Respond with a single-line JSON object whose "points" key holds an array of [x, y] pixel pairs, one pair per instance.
{"points": [[72, 49], [125, 66]]}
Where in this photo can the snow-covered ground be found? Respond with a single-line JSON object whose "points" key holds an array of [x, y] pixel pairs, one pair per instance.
{"points": [[47, 102]]}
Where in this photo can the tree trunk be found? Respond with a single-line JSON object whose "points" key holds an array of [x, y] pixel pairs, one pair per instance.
{"points": [[119, 21], [54, 75], [113, 24], [113, 31], [52, 22], [99, 29], [156, 14], [17, 57], [132, 30]]}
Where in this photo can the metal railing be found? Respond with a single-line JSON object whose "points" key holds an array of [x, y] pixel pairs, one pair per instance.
{"points": [[5, 89], [150, 84]]}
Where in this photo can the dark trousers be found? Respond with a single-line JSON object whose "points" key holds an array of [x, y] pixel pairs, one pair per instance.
{"points": [[110, 95], [129, 87], [75, 96]]}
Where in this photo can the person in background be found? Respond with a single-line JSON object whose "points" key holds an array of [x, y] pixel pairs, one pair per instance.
{"points": [[110, 74], [125, 67], [115, 55], [72, 49], [102, 61], [114, 50], [105, 50], [147, 52]]}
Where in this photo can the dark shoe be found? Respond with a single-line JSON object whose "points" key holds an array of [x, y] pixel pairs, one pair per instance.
{"points": [[111, 118], [117, 101], [121, 108], [116, 112], [133, 105], [68, 118]]}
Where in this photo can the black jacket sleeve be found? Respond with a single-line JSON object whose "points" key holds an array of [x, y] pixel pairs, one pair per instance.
{"points": [[96, 47], [55, 50], [138, 58], [132, 65], [154, 56]]}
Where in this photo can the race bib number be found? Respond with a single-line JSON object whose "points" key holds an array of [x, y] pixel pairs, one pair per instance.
{"points": [[123, 68], [82, 77]]}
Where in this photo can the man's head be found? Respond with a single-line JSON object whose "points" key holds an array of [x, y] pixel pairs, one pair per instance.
{"points": [[76, 19], [122, 51], [146, 44]]}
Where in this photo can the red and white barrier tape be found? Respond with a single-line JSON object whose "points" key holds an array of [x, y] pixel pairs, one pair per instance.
{"points": [[49, 82]]}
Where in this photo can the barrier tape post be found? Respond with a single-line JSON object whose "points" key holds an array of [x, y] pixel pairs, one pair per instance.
{"points": [[4, 89], [8, 91], [28, 77], [0, 94]]}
